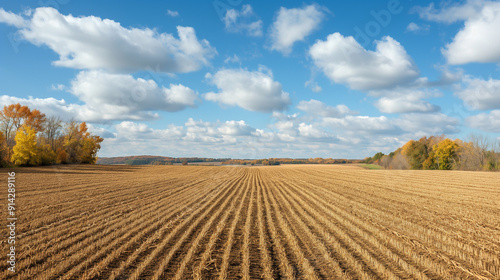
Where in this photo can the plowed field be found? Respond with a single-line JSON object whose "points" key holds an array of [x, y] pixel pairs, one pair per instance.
{"points": [[209, 222]]}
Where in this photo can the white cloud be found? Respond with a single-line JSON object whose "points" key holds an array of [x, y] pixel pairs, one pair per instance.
{"points": [[317, 108], [447, 77], [416, 28], [121, 96], [100, 131], [312, 131], [241, 21], [235, 128], [132, 128], [409, 126], [250, 90], [488, 122], [451, 12], [480, 94], [363, 125], [345, 61], [110, 97], [128, 130], [172, 13], [420, 125], [405, 100], [478, 40], [12, 19], [292, 25], [49, 106], [94, 43], [404, 104]]}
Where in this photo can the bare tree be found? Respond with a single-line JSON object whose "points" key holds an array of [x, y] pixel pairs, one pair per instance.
{"points": [[52, 131], [473, 153], [400, 162]]}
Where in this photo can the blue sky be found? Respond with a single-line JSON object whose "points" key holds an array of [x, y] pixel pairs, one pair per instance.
{"points": [[240, 79]]}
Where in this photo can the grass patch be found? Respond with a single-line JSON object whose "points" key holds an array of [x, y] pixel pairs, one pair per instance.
{"points": [[371, 166]]}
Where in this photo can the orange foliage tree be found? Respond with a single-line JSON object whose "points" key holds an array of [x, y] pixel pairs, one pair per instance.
{"points": [[14, 116]]}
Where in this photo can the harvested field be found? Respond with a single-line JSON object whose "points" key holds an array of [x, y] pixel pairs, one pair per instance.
{"points": [[213, 222]]}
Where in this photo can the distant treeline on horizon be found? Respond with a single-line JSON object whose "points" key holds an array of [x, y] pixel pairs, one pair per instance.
{"points": [[160, 160]]}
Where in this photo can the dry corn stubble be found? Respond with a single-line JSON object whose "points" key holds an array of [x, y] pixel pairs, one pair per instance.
{"points": [[290, 221]]}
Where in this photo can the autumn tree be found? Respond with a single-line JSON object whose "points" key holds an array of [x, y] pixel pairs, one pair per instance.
{"points": [[438, 152], [90, 146], [4, 151], [14, 116], [52, 131], [25, 150], [385, 161], [430, 162], [400, 161], [79, 145], [446, 154]]}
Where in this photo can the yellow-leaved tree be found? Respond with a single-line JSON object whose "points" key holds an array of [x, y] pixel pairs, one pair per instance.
{"points": [[446, 153], [25, 150], [80, 146]]}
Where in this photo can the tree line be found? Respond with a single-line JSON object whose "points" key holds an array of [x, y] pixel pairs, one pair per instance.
{"points": [[439, 152], [29, 138], [278, 161]]}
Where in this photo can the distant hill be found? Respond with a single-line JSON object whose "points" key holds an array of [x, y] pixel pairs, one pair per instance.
{"points": [[158, 160]]}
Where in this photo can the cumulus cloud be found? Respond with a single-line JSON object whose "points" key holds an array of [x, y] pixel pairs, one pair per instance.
{"points": [[49, 106], [310, 131], [345, 61], [363, 125], [130, 131], [235, 128], [109, 97], [133, 129], [13, 19], [94, 43], [292, 25], [242, 21], [250, 90], [317, 108], [480, 94], [119, 95], [404, 104], [488, 122], [405, 100], [478, 40], [420, 125], [101, 131]]}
